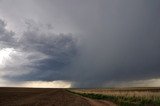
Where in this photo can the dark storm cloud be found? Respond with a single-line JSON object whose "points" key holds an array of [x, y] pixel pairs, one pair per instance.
{"points": [[118, 41], [121, 41], [47, 52], [60, 49]]}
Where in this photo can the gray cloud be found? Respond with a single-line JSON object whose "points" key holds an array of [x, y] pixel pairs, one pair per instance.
{"points": [[45, 54], [121, 41], [117, 40], [6, 37]]}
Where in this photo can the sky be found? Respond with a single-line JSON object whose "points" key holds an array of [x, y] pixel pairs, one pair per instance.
{"points": [[79, 43]]}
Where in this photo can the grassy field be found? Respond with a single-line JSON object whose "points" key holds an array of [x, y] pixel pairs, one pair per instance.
{"points": [[124, 96]]}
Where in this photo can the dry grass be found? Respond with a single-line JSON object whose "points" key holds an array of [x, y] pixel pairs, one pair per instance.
{"points": [[138, 96], [145, 94]]}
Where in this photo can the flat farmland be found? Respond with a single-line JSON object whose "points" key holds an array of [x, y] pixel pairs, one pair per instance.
{"points": [[46, 97], [79, 97]]}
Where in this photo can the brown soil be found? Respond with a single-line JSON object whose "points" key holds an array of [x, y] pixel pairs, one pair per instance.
{"points": [[45, 97]]}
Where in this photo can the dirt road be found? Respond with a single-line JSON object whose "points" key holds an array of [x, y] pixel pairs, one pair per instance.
{"points": [[45, 97]]}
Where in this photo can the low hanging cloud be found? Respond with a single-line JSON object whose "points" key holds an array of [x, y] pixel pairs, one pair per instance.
{"points": [[35, 55]]}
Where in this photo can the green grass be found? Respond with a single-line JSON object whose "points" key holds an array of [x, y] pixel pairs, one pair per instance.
{"points": [[122, 100]]}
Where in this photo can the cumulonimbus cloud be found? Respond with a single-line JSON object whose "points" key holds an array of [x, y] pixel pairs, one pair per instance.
{"points": [[37, 54], [118, 41]]}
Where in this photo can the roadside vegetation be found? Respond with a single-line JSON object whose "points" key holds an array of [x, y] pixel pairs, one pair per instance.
{"points": [[124, 97]]}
